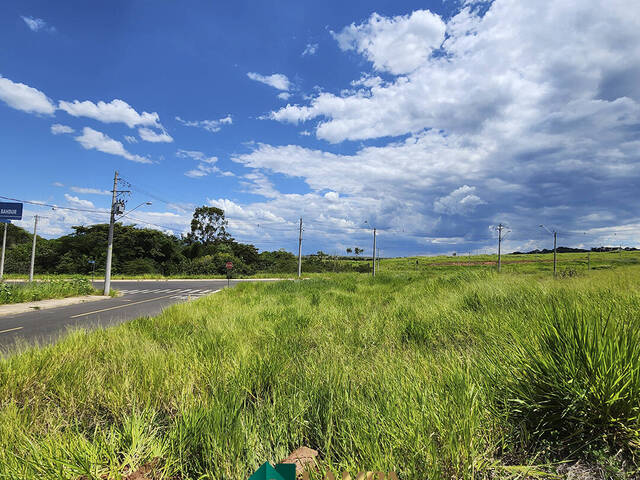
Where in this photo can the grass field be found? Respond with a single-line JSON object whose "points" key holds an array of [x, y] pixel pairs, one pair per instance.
{"points": [[45, 289], [521, 263], [444, 372]]}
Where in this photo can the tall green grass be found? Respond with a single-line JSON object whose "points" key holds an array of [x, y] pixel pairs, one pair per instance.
{"points": [[41, 290], [455, 374]]}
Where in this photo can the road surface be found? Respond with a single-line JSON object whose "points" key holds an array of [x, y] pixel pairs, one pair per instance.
{"points": [[139, 298]]}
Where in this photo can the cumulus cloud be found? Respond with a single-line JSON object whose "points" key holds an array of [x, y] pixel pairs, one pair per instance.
{"points": [[277, 80], [310, 49], [94, 140], [398, 44], [209, 125], [481, 81], [37, 24], [58, 129], [116, 111], [284, 95], [25, 98], [459, 202]]}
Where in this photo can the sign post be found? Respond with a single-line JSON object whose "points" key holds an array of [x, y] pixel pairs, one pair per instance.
{"points": [[229, 267], [8, 212]]}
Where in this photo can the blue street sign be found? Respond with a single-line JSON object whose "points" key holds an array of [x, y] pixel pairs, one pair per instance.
{"points": [[10, 211], [4, 221]]}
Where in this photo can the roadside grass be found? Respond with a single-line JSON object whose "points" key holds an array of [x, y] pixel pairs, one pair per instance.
{"points": [[436, 374], [45, 289]]}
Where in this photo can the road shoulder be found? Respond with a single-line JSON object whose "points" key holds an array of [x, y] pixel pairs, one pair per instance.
{"points": [[17, 308]]}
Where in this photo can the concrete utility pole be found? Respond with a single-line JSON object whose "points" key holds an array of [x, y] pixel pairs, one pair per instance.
{"points": [[555, 241], [374, 252], [112, 220], [4, 244], [300, 250], [33, 248], [500, 228]]}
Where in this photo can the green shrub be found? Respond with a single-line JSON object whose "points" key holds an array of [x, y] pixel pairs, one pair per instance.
{"points": [[575, 381]]}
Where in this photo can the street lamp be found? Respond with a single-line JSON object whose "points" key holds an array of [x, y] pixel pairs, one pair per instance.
{"points": [[137, 206], [374, 248], [555, 238]]}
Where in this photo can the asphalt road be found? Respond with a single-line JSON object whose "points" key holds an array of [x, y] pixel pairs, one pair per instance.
{"points": [[138, 299]]}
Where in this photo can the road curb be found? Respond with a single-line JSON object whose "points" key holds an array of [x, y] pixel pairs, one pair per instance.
{"points": [[17, 308]]}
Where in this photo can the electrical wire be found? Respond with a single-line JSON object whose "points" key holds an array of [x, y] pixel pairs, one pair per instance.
{"points": [[55, 206]]}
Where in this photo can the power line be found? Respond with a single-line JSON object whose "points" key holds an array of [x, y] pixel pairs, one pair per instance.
{"points": [[55, 206]]}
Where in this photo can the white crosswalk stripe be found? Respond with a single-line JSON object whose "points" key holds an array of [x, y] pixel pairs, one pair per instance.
{"points": [[180, 293]]}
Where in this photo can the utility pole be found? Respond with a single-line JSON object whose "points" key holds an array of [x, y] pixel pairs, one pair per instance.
{"points": [[555, 238], [500, 228], [555, 243], [33, 248], [374, 252], [112, 220], [4, 244], [300, 250]]}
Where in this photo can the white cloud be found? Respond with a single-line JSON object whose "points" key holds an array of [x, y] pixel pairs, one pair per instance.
{"points": [[93, 139], [277, 80], [494, 73], [58, 184], [25, 98], [149, 135], [310, 49], [209, 125], [397, 45], [130, 139], [205, 166], [90, 191], [78, 202], [37, 24], [116, 111], [459, 202], [58, 129], [284, 95]]}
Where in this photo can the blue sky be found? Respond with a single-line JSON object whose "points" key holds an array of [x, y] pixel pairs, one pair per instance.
{"points": [[434, 121]]}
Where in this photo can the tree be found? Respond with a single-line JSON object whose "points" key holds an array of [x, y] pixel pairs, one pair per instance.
{"points": [[208, 226], [349, 251], [358, 251]]}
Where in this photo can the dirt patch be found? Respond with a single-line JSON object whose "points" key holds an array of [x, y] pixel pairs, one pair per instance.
{"points": [[305, 458], [148, 471]]}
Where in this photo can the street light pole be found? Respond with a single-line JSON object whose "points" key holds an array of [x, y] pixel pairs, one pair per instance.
{"points": [[500, 227], [555, 243], [300, 250], [374, 252], [33, 248], [4, 244]]}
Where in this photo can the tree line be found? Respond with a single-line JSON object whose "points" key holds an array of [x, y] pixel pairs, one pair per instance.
{"points": [[204, 250]]}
